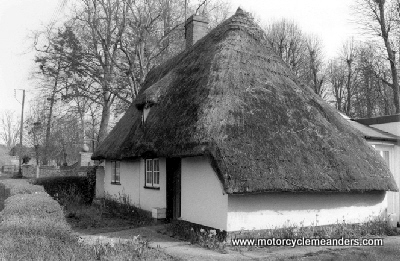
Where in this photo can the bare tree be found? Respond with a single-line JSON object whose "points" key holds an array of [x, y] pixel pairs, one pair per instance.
{"points": [[103, 53], [315, 76], [9, 128], [336, 75], [348, 50], [289, 43], [380, 18]]}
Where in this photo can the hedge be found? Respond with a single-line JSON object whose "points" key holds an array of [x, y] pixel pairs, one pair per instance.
{"points": [[32, 223], [33, 227], [54, 185]]}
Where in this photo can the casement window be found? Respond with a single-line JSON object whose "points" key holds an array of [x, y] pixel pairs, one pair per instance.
{"points": [[152, 173], [385, 156], [385, 153], [115, 174]]}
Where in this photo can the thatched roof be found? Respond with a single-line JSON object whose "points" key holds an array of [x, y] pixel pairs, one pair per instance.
{"points": [[230, 97]]}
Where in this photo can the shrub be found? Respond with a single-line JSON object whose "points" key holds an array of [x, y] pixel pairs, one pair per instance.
{"points": [[91, 176], [56, 185], [197, 234], [121, 207]]}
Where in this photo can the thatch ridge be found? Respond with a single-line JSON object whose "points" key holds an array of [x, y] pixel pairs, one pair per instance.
{"points": [[230, 97]]}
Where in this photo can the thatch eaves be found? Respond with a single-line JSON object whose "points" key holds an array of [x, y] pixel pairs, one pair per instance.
{"points": [[230, 97], [110, 148]]}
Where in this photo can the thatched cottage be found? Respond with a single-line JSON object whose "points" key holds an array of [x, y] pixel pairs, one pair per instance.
{"points": [[383, 134], [226, 136]]}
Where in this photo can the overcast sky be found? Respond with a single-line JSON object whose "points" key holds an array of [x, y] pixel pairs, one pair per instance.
{"points": [[329, 19]]}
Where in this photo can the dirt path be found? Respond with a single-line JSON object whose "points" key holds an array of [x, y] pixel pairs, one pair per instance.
{"points": [[185, 251]]}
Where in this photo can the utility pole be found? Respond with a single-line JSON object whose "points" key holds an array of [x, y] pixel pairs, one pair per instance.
{"points": [[20, 135]]}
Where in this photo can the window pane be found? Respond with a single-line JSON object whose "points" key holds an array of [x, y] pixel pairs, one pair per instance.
{"points": [[149, 178], [112, 171], [156, 165], [149, 165], [385, 155], [156, 178], [117, 171]]}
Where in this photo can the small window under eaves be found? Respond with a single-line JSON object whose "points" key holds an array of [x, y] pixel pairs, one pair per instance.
{"points": [[145, 113]]}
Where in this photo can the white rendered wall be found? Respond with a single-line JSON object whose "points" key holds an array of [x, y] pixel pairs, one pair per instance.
{"points": [[132, 185], [203, 198], [272, 210], [393, 198]]}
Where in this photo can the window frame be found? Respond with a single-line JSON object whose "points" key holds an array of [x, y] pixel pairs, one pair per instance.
{"points": [[152, 173], [116, 172], [386, 152]]}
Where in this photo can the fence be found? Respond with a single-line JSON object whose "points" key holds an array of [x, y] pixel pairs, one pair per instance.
{"points": [[29, 171]]}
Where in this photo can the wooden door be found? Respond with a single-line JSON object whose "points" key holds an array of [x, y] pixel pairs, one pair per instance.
{"points": [[173, 188]]}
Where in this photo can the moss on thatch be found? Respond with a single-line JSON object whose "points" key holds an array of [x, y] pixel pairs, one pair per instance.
{"points": [[230, 97]]}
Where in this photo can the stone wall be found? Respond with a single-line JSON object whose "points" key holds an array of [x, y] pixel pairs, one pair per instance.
{"points": [[29, 171], [9, 169]]}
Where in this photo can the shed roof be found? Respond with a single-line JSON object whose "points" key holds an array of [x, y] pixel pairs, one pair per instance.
{"points": [[379, 120], [372, 133]]}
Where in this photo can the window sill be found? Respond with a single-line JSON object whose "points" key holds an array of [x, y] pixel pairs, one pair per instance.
{"points": [[115, 183], [155, 188]]}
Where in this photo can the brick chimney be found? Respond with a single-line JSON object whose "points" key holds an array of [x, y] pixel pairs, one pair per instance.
{"points": [[195, 29]]}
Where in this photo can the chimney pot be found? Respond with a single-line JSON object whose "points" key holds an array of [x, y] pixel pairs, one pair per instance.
{"points": [[195, 29]]}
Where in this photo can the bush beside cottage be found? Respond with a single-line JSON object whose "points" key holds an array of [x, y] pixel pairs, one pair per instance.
{"points": [[54, 185]]}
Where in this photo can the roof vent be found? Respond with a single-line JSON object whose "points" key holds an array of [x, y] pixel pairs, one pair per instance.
{"points": [[195, 29]]}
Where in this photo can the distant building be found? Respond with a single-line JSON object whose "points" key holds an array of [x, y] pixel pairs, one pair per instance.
{"points": [[383, 133]]}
